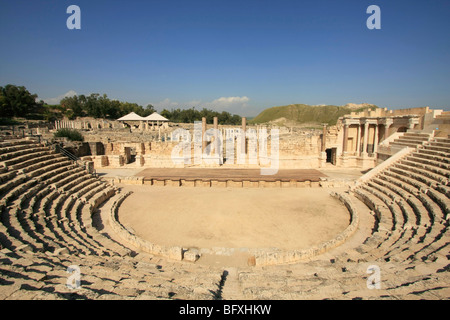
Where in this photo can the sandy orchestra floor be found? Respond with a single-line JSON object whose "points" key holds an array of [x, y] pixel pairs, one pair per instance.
{"points": [[292, 218]]}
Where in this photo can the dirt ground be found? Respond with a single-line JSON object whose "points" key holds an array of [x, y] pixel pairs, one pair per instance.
{"points": [[288, 218]]}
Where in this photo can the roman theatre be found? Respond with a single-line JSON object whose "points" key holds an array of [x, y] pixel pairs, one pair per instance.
{"points": [[150, 209]]}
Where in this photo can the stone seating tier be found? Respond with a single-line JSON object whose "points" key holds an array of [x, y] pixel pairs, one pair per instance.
{"points": [[48, 205]]}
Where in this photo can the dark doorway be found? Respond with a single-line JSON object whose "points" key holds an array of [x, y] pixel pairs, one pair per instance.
{"points": [[331, 155]]}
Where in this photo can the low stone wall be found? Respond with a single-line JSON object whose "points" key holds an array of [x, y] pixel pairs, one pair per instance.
{"points": [[260, 257], [215, 183], [276, 256], [125, 180], [224, 183]]}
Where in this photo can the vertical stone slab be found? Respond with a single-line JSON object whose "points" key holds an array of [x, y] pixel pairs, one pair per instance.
{"points": [[244, 130], [89, 165], [203, 134]]}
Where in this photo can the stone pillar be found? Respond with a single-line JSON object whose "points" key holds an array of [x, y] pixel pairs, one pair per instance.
{"points": [[366, 136], [375, 140], [345, 142], [244, 129], [324, 137], [358, 140], [203, 134], [216, 133]]}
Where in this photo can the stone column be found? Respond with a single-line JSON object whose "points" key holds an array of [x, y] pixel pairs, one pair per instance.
{"points": [[366, 136], [216, 133], [345, 142], [358, 140], [375, 140], [324, 137], [203, 134], [244, 139]]}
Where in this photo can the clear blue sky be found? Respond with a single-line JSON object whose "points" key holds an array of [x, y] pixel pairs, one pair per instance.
{"points": [[242, 56]]}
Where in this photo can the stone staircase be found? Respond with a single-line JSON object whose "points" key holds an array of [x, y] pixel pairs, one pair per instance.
{"points": [[411, 139]]}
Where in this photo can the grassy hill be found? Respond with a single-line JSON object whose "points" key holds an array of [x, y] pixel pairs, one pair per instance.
{"points": [[306, 114]]}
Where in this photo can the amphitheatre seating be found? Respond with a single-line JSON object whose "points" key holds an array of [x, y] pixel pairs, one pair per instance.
{"points": [[30, 196], [411, 139], [48, 205], [404, 220], [414, 191]]}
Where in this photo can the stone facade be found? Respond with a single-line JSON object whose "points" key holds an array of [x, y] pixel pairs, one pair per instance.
{"points": [[353, 142]]}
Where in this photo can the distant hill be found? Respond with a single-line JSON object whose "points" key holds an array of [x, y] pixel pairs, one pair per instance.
{"points": [[306, 114]]}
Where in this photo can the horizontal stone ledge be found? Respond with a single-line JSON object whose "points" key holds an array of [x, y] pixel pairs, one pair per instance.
{"points": [[232, 183]]}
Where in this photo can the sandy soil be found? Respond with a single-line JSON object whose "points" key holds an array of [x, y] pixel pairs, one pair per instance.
{"points": [[288, 218]]}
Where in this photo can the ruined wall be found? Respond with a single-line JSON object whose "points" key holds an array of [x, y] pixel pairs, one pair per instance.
{"points": [[297, 149]]}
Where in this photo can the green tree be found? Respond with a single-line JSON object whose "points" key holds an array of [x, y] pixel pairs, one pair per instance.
{"points": [[148, 110], [73, 106], [17, 101], [166, 114], [191, 115]]}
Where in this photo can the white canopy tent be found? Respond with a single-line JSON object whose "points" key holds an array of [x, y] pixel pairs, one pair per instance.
{"points": [[155, 117], [131, 117]]}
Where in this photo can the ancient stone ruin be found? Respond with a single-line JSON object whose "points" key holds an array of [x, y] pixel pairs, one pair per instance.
{"points": [[62, 234]]}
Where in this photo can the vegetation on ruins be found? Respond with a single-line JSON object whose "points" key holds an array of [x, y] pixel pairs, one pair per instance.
{"points": [[71, 134], [191, 115], [303, 113]]}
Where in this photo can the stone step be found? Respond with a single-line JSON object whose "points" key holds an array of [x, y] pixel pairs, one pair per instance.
{"points": [[417, 157], [436, 154], [403, 144]]}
